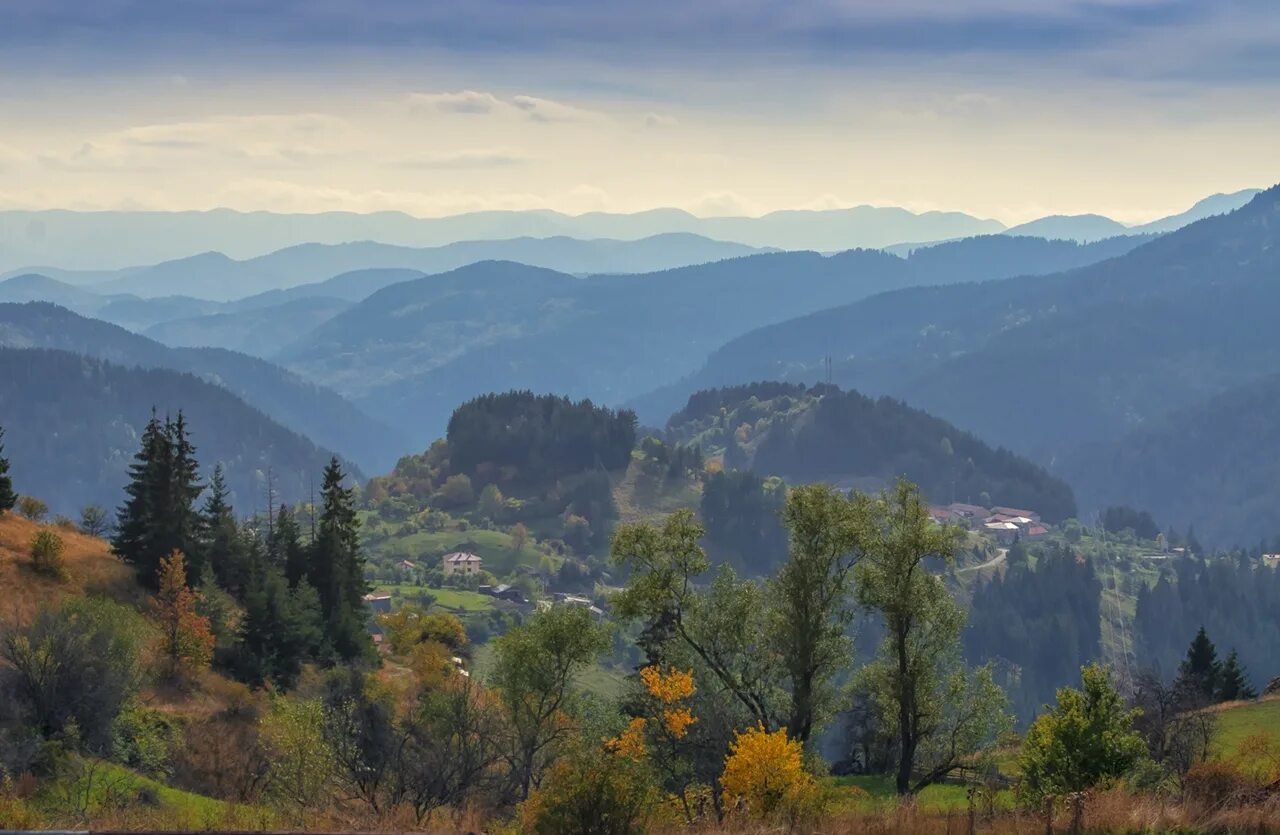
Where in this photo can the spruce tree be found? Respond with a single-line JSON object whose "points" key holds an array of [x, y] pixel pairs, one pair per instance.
{"points": [[285, 548], [1199, 672], [8, 498], [158, 516], [337, 567], [1233, 681], [223, 544]]}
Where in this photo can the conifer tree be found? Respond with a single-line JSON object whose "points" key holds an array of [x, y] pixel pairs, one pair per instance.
{"points": [[285, 548], [337, 567], [1199, 672], [223, 544], [8, 498], [158, 516], [1233, 681]]}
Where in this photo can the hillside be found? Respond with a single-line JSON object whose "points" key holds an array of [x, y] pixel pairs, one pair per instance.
{"points": [[304, 407], [419, 347], [72, 426], [1178, 319], [1210, 465], [257, 331], [820, 433], [90, 569]]}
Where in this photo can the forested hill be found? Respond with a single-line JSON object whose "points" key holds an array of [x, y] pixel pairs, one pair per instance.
{"points": [[72, 426], [311, 410], [1214, 466], [809, 433]]}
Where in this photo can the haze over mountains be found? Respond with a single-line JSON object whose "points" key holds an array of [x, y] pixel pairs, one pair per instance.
{"points": [[100, 243], [1058, 350]]}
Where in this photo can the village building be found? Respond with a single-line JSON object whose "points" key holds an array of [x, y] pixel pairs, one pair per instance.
{"points": [[461, 564]]}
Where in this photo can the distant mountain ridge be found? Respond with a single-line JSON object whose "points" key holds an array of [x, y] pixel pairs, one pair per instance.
{"points": [[217, 277], [73, 423], [415, 349], [1103, 355], [304, 407], [1092, 227], [114, 240]]}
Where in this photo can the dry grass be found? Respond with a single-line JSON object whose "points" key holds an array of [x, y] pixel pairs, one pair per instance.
{"points": [[1112, 812], [90, 568]]}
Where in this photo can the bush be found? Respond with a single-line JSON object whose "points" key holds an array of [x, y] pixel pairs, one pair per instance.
{"points": [[1219, 782], [46, 554], [71, 672], [592, 792], [33, 508], [765, 775]]}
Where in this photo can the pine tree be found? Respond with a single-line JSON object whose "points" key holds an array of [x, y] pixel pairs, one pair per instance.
{"points": [[281, 628], [1233, 681], [8, 498], [1200, 670], [337, 567]]}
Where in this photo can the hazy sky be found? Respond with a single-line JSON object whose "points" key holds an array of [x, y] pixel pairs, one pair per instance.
{"points": [[1003, 108]]}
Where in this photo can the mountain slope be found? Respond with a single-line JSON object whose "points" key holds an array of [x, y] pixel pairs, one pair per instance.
{"points": [[257, 331], [72, 425], [1214, 465], [1040, 364], [318, 413], [405, 352], [820, 433]]}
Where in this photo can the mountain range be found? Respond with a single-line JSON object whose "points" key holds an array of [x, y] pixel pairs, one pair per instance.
{"points": [[100, 243], [1054, 366], [415, 349]]}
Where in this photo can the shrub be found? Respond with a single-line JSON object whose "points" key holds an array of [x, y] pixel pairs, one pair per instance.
{"points": [[765, 773], [592, 792], [33, 508], [46, 554], [1218, 782]]}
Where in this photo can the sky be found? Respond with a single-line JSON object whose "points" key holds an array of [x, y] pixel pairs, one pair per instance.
{"points": [[1010, 109]]}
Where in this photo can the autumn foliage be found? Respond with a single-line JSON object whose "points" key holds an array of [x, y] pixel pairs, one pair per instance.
{"points": [[764, 776], [186, 639]]}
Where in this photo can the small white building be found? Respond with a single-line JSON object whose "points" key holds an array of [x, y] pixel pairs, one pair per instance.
{"points": [[460, 563]]}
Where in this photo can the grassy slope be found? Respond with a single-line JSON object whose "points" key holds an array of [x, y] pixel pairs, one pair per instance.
{"points": [[91, 570], [454, 600], [1239, 721]]}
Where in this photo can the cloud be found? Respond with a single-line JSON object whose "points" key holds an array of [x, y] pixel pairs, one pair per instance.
{"points": [[464, 101], [660, 120], [472, 158], [472, 102], [273, 140]]}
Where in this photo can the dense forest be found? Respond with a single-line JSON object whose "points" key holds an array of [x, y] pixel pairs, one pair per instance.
{"points": [[73, 423], [819, 432], [536, 438], [1233, 597], [1039, 624]]}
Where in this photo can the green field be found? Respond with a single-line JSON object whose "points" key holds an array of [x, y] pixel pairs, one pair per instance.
{"points": [[1236, 724], [454, 600], [880, 794]]}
